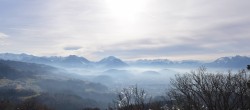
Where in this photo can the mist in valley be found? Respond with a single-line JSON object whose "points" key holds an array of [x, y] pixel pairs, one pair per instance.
{"points": [[79, 83]]}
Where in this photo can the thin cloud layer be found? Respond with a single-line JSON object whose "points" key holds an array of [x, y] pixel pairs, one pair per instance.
{"points": [[3, 36], [148, 29], [72, 48]]}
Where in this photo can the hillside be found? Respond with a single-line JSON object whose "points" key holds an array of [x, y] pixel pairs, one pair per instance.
{"points": [[21, 81]]}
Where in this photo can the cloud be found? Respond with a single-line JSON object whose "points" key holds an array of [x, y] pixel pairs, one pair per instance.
{"points": [[72, 48], [3, 36], [166, 28], [212, 44]]}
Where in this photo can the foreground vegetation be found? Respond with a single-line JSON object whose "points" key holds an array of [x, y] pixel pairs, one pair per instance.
{"points": [[201, 90], [197, 90]]}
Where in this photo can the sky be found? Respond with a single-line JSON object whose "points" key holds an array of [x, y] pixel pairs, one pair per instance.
{"points": [[128, 29]]}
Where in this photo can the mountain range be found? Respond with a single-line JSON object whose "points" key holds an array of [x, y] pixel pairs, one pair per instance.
{"points": [[113, 62]]}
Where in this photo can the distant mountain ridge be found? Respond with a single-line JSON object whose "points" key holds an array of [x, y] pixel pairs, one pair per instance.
{"points": [[231, 62], [113, 62], [154, 62], [166, 63], [68, 61]]}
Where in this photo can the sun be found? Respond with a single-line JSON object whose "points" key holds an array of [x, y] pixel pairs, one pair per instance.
{"points": [[126, 10]]}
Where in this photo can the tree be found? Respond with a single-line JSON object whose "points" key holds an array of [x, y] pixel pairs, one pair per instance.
{"points": [[200, 90], [32, 104], [91, 109], [248, 83], [131, 98]]}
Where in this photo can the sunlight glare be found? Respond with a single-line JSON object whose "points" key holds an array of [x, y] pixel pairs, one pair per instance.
{"points": [[126, 10]]}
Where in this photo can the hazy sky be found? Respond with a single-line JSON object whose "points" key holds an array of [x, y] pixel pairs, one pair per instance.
{"points": [[128, 29]]}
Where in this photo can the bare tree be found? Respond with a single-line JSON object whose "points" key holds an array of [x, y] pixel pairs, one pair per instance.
{"points": [[201, 90], [131, 98], [248, 83]]}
